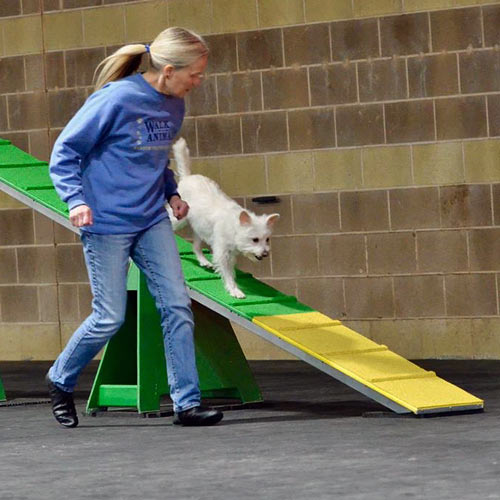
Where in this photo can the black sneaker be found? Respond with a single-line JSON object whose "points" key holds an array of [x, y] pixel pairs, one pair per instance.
{"points": [[199, 415], [63, 406]]}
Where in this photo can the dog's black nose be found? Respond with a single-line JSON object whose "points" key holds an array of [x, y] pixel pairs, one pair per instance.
{"points": [[265, 254]]}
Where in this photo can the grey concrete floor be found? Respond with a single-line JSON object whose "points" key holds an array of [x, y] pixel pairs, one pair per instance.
{"points": [[313, 438]]}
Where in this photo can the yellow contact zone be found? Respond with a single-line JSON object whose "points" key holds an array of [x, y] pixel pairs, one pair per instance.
{"points": [[281, 325]]}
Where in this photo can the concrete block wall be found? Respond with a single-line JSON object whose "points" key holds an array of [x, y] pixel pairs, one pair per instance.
{"points": [[376, 124]]}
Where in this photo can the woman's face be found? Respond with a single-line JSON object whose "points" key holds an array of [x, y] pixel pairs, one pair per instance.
{"points": [[179, 82]]}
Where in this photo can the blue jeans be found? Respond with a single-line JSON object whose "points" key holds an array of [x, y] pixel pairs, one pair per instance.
{"points": [[107, 258]]}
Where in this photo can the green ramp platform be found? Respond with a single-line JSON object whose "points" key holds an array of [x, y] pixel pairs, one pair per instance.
{"points": [[132, 369]]}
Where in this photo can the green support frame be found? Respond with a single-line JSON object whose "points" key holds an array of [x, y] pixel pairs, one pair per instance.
{"points": [[3, 397], [132, 371]]}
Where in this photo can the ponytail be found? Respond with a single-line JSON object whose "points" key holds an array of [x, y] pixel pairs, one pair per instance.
{"points": [[178, 47]]}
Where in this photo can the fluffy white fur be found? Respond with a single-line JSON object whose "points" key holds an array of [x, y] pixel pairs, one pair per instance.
{"points": [[220, 222]]}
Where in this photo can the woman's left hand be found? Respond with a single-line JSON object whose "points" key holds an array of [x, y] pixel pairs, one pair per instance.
{"points": [[179, 207]]}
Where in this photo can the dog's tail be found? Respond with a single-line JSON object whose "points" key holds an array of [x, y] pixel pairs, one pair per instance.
{"points": [[182, 158]]}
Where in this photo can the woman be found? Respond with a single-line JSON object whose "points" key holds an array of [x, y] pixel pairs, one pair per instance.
{"points": [[109, 165]]}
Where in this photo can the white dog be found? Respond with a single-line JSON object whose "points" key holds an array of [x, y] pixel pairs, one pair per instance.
{"points": [[219, 221]]}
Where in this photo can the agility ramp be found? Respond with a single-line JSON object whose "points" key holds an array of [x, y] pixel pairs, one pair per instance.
{"points": [[325, 343]]}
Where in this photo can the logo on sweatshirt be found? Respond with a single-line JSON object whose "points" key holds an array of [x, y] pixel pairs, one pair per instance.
{"points": [[154, 134]]}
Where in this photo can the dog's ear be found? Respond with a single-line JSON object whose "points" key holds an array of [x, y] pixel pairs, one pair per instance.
{"points": [[245, 218], [271, 219]]}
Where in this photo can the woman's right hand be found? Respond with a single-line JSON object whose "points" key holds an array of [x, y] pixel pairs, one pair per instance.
{"points": [[81, 216]]}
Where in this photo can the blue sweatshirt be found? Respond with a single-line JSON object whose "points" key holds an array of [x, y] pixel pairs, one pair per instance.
{"points": [[113, 156]]}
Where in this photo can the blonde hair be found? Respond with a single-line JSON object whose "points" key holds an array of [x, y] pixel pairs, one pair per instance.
{"points": [[178, 47]]}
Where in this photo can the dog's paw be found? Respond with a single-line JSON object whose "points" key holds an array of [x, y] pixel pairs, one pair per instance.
{"points": [[207, 265], [237, 293]]}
